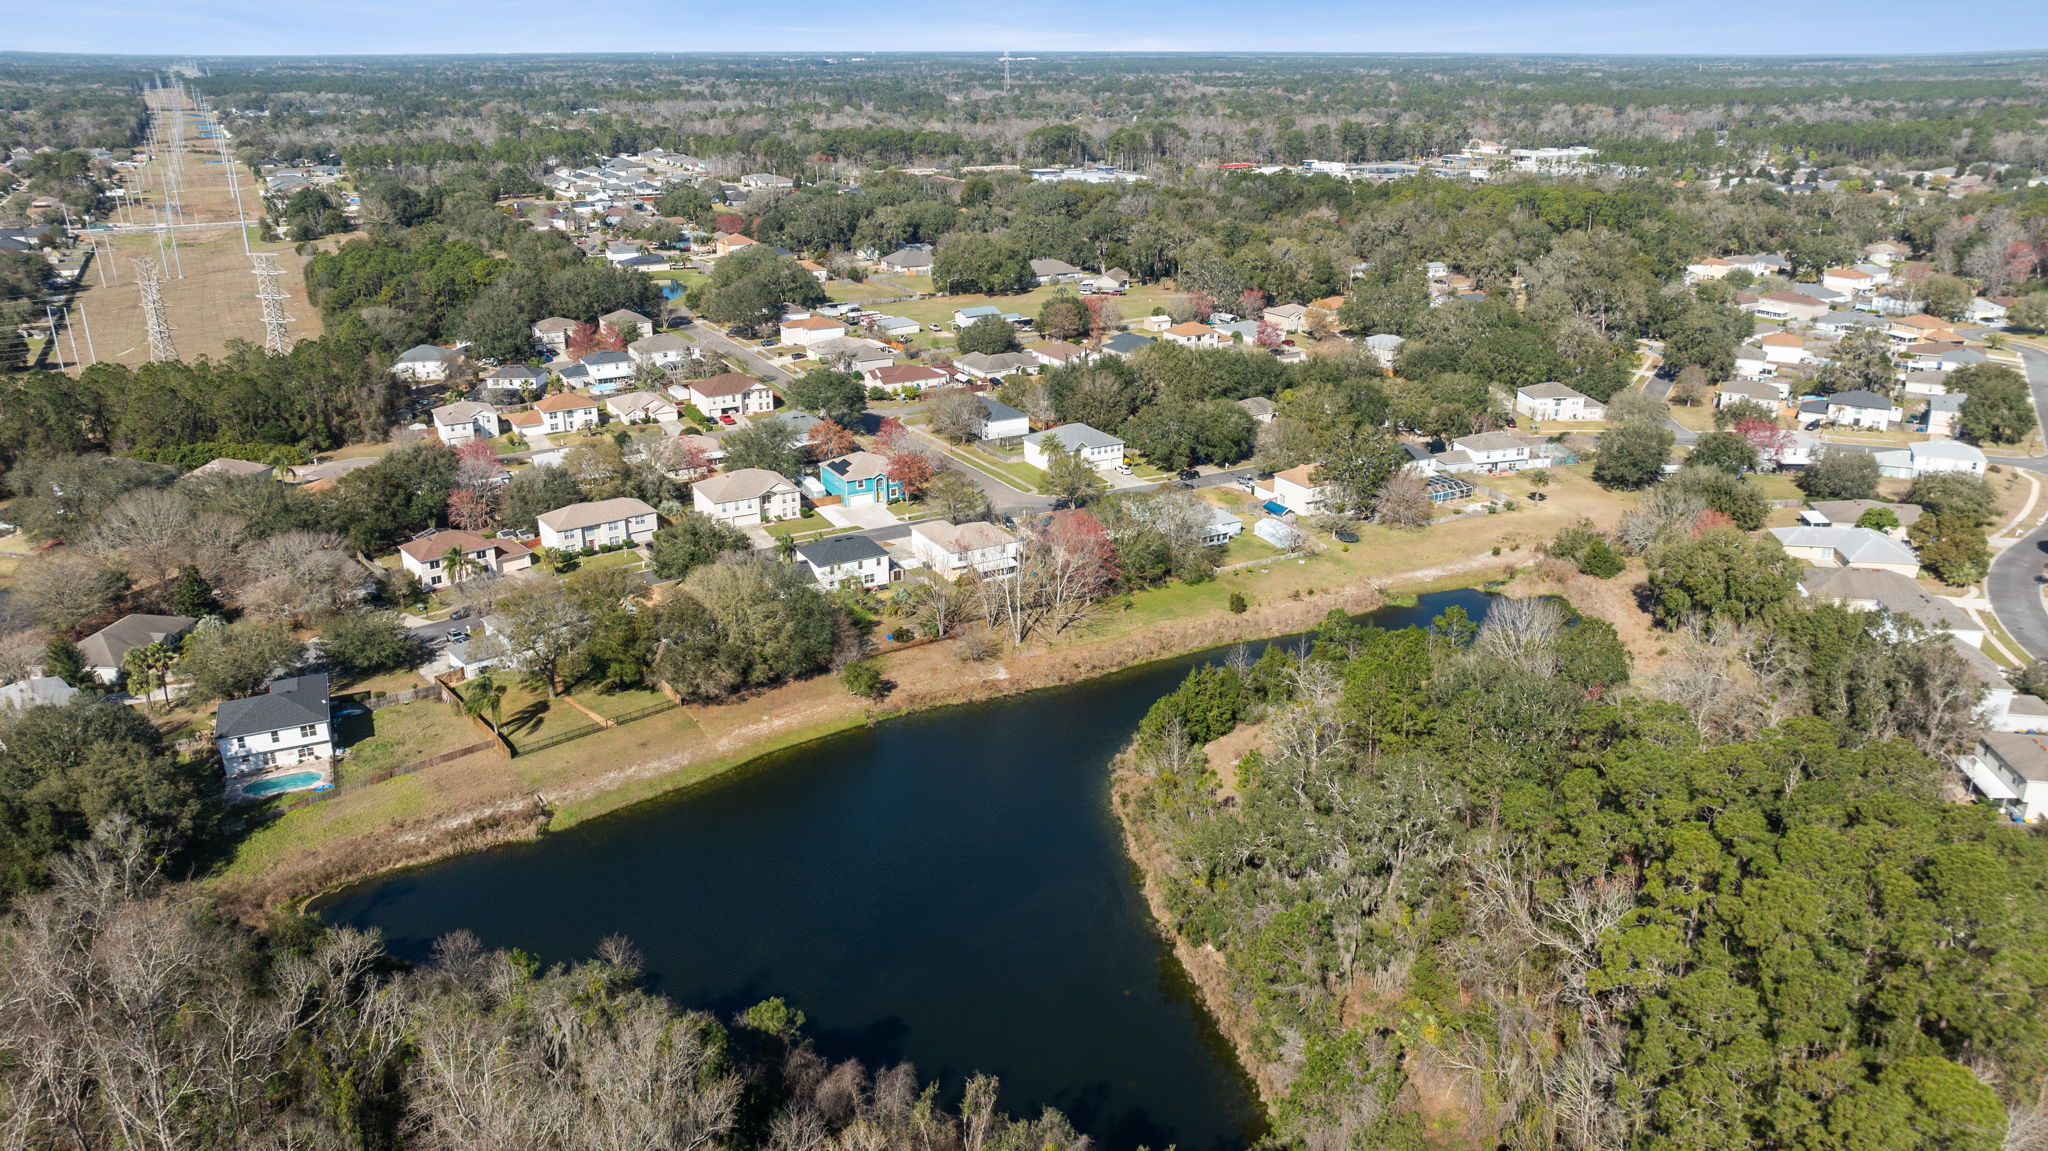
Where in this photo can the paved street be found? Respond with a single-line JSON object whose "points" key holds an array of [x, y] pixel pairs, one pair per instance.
{"points": [[2015, 580]]}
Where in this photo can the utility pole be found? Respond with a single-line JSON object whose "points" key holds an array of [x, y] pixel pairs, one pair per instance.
{"points": [[276, 340], [160, 346]]}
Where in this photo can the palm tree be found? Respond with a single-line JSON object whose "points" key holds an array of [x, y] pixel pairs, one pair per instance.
{"points": [[485, 695], [456, 564], [147, 667]]}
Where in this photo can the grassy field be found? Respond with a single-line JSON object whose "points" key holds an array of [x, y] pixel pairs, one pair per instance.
{"points": [[214, 300]]}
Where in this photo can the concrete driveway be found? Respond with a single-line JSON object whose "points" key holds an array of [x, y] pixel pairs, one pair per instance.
{"points": [[859, 515]]}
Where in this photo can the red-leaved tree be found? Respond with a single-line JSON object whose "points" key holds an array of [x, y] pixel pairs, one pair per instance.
{"points": [[469, 510], [1251, 302], [1769, 440], [912, 471], [827, 440], [1268, 335]]}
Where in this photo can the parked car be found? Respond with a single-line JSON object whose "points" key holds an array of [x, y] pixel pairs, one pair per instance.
{"points": [[799, 355], [1190, 474], [727, 419], [936, 327], [458, 635], [1123, 469], [1813, 425]]}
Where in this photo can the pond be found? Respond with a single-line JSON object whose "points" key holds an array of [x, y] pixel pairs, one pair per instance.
{"points": [[949, 889]]}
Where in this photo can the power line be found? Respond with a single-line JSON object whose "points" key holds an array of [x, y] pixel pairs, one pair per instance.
{"points": [[160, 346], [276, 340]]}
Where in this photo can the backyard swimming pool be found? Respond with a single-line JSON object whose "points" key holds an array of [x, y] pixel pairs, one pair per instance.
{"points": [[282, 783]]}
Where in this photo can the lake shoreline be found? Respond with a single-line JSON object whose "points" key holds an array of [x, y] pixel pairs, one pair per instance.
{"points": [[927, 686]]}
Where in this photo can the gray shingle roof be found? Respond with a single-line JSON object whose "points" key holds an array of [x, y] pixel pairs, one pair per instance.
{"points": [[291, 702], [835, 550], [1074, 437]]}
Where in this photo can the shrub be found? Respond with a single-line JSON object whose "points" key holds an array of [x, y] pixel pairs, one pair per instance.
{"points": [[1238, 606], [863, 677]]}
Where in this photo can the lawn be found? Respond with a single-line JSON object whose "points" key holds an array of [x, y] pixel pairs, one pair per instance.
{"points": [[1017, 474], [623, 558], [398, 735], [612, 704], [803, 530]]}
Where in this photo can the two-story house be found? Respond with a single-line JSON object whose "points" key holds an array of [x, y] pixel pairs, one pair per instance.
{"points": [[425, 362], [1097, 448], [641, 407], [598, 523], [626, 325], [1000, 422], [747, 496], [1555, 401], [1491, 452], [729, 394], [427, 557], [1293, 491], [953, 550], [602, 368], [2011, 769], [566, 412], [838, 560], [458, 423], [553, 334], [859, 478], [665, 350], [288, 724]]}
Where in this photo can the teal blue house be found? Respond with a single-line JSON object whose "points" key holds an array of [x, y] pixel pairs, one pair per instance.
{"points": [[859, 478]]}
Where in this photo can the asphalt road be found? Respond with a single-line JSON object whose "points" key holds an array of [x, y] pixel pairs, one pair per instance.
{"points": [[2016, 577]]}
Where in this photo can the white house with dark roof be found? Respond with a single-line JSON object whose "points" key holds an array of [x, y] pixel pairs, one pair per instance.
{"points": [[598, 523], [1856, 408], [997, 365], [1486, 452], [458, 423], [2011, 769], [605, 366], [838, 560], [1096, 448], [1000, 421], [1055, 272], [661, 350], [289, 724], [511, 379]]}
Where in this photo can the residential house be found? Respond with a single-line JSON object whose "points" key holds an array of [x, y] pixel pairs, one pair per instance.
{"points": [[965, 316], [1000, 422], [2011, 769], [566, 412], [1055, 272], [1750, 364], [1709, 268], [908, 260], [1850, 547], [839, 560], [1294, 491], [1223, 526], [664, 350], [1193, 335], [1763, 392], [1854, 281], [1261, 408], [1944, 414], [730, 394], [1988, 310], [425, 362], [1784, 348], [102, 651], [641, 407], [983, 366], [1790, 307], [853, 354], [290, 723], [35, 691], [1125, 343], [1555, 401], [708, 450], [554, 333], [746, 497], [952, 550], [895, 327], [601, 367], [1929, 457], [1916, 327], [1289, 318], [902, 378], [1490, 452], [426, 557], [766, 180], [819, 272], [625, 325], [724, 244], [1794, 450], [598, 523], [809, 329], [223, 466], [1114, 282], [1097, 448], [511, 380], [458, 423], [1841, 323], [1059, 353], [1858, 408], [1846, 513], [1860, 589], [859, 478]]}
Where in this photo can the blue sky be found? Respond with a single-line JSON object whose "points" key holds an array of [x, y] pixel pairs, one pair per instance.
{"points": [[227, 27]]}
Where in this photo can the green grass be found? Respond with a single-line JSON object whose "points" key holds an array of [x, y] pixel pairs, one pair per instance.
{"points": [[302, 830], [1017, 475], [612, 704], [803, 530], [641, 790], [395, 736], [623, 558]]}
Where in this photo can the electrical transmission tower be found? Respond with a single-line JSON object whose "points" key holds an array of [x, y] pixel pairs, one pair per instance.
{"points": [[160, 347], [276, 340]]}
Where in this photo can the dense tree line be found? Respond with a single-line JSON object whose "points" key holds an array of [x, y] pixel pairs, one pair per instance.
{"points": [[1471, 883]]}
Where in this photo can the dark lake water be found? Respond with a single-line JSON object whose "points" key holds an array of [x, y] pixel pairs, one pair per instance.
{"points": [[948, 889]]}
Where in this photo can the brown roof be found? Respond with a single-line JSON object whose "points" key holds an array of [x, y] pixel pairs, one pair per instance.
{"points": [[905, 374], [1782, 340], [564, 402], [813, 324], [725, 384], [1191, 328], [435, 546], [525, 419], [1300, 475], [1921, 320]]}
